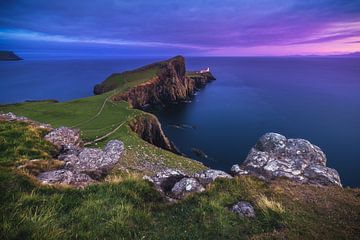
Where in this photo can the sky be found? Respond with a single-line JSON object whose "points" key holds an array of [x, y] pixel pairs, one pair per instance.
{"points": [[168, 27]]}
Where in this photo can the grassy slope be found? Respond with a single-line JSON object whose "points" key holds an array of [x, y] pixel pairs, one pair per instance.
{"points": [[127, 207], [78, 112]]}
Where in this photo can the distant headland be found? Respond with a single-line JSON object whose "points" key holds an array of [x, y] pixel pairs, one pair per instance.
{"points": [[9, 56]]}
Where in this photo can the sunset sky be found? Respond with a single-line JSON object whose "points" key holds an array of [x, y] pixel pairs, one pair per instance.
{"points": [[197, 27]]}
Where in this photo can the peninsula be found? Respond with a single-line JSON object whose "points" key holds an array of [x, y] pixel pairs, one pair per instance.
{"points": [[101, 168]]}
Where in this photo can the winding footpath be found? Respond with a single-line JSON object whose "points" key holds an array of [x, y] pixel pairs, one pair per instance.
{"points": [[97, 114]]}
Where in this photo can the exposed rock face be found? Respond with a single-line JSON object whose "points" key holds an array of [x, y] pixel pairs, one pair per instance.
{"points": [[243, 209], [12, 117], [65, 177], [65, 138], [149, 129], [207, 176], [95, 162], [82, 165], [186, 186], [165, 180], [169, 85], [297, 159], [177, 185]]}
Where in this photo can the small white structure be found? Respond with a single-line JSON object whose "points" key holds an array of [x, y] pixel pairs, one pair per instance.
{"points": [[205, 70]]}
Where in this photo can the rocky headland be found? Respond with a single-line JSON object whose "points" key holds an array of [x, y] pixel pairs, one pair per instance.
{"points": [[282, 190], [170, 84]]}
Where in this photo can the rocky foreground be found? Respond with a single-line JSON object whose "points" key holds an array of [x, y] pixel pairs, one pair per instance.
{"points": [[276, 156], [273, 156]]}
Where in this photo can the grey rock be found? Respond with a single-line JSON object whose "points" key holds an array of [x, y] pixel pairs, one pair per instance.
{"points": [[12, 117], [322, 175], [186, 186], [65, 177], [236, 170], [95, 162], [207, 176], [243, 209], [84, 166], [297, 159], [65, 138], [165, 180]]}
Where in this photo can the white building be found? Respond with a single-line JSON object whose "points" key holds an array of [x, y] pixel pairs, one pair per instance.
{"points": [[205, 70]]}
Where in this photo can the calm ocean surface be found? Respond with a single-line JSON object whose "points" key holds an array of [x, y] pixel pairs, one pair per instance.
{"points": [[312, 98]]}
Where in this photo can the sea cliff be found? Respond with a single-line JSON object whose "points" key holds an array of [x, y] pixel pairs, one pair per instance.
{"points": [[171, 83]]}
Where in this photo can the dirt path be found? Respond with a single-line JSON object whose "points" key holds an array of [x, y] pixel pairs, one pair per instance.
{"points": [[96, 115]]}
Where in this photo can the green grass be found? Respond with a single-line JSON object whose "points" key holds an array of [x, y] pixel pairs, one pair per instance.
{"points": [[126, 80], [19, 141], [132, 209], [138, 154], [126, 207]]}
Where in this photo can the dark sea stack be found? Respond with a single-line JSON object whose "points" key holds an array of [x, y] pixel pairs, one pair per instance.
{"points": [[276, 156], [9, 56], [170, 84]]}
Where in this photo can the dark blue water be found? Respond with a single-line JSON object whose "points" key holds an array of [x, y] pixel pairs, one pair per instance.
{"points": [[312, 98], [58, 79]]}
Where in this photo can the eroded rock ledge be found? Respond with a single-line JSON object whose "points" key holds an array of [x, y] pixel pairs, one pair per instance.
{"points": [[148, 127], [170, 84], [175, 184], [296, 159], [82, 166]]}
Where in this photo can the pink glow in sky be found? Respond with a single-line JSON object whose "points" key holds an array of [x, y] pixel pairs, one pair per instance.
{"points": [[198, 27]]}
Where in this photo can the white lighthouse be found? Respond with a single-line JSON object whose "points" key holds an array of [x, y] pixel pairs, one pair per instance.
{"points": [[205, 70]]}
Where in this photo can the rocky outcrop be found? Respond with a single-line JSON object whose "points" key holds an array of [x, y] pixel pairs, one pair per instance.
{"points": [[243, 209], [65, 177], [297, 159], [175, 184], [95, 162], [82, 166], [185, 187], [170, 84], [209, 175], [12, 117], [165, 180], [65, 138], [148, 127]]}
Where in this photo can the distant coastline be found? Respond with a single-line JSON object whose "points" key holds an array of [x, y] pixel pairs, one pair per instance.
{"points": [[9, 56]]}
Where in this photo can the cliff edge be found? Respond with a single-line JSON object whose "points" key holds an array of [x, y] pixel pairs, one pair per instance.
{"points": [[160, 83]]}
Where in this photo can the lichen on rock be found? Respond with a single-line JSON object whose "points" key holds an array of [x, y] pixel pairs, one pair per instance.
{"points": [[297, 159]]}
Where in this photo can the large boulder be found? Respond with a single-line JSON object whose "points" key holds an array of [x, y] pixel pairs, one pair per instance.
{"points": [[165, 180], [186, 186], [297, 159], [95, 162], [65, 138], [243, 209], [209, 175], [65, 177], [84, 165]]}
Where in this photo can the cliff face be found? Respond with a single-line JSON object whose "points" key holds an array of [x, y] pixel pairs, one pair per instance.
{"points": [[149, 129], [170, 84]]}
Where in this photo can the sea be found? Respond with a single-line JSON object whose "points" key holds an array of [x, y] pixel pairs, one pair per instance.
{"points": [[314, 98]]}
